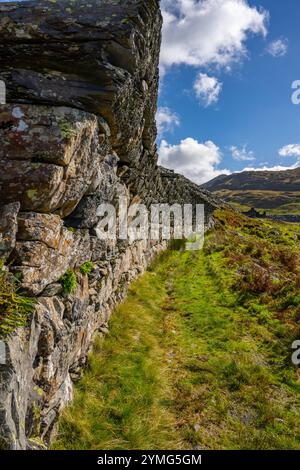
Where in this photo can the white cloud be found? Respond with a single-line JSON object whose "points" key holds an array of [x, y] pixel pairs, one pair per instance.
{"points": [[200, 161], [166, 120], [278, 48], [242, 154], [291, 150], [208, 32], [197, 161], [207, 89], [272, 168]]}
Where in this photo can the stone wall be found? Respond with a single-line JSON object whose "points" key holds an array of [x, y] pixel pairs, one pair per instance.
{"points": [[78, 130]]}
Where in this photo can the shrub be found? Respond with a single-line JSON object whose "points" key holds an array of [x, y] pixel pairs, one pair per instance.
{"points": [[14, 308], [69, 282]]}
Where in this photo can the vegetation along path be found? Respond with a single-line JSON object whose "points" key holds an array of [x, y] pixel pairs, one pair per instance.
{"points": [[198, 356]]}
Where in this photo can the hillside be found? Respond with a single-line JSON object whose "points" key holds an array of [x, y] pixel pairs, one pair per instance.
{"points": [[199, 355], [278, 192]]}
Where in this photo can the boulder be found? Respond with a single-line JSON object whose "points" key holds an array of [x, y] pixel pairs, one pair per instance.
{"points": [[49, 156]]}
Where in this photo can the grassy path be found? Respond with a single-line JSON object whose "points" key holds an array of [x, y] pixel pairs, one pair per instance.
{"points": [[185, 367]]}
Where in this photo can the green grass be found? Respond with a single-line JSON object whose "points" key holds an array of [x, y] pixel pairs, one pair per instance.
{"points": [[199, 354], [69, 282], [292, 208]]}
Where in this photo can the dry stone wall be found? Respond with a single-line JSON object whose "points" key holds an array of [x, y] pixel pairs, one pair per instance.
{"points": [[78, 130]]}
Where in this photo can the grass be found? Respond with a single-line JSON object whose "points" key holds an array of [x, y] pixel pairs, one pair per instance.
{"points": [[15, 308], [87, 268], [274, 202], [122, 394], [284, 209], [199, 354], [69, 279], [69, 282], [292, 208]]}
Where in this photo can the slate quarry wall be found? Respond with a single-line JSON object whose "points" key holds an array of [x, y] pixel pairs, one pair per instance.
{"points": [[78, 130]]}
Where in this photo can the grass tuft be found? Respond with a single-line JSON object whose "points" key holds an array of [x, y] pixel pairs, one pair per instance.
{"points": [[69, 282], [87, 268]]}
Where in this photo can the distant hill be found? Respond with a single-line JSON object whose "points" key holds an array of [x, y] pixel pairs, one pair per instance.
{"points": [[288, 180], [275, 191]]}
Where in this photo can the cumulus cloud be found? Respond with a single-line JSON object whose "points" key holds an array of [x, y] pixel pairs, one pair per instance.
{"points": [[195, 160], [166, 120], [200, 161], [291, 150], [207, 89], [242, 154], [208, 32], [272, 168], [278, 48]]}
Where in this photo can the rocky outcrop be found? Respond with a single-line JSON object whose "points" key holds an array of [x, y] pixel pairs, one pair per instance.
{"points": [[78, 131], [98, 56], [58, 151]]}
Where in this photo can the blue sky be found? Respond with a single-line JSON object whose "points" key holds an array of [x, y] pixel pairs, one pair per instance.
{"points": [[229, 109]]}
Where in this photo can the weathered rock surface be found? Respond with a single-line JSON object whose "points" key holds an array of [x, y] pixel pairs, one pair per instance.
{"points": [[49, 157], [8, 228], [45, 249], [100, 56], [78, 131]]}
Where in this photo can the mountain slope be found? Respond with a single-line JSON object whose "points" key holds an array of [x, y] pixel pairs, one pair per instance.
{"points": [[277, 191], [288, 180]]}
